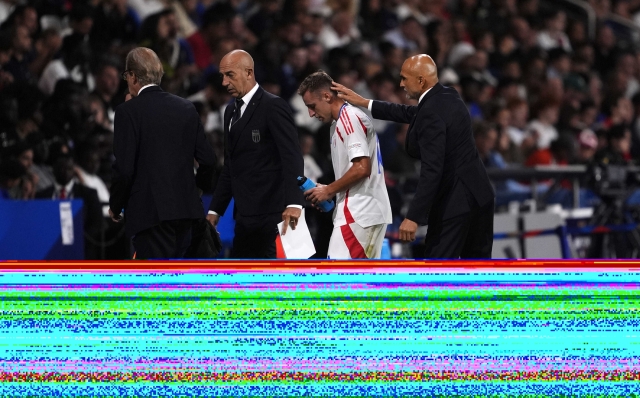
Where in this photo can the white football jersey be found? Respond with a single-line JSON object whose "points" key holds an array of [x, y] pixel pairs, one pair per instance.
{"points": [[366, 203]]}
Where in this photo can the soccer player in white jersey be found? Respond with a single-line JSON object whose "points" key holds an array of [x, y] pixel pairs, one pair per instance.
{"points": [[362, 209]]}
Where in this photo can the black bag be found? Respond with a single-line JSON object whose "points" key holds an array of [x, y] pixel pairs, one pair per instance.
{"points": [[205, 240]]}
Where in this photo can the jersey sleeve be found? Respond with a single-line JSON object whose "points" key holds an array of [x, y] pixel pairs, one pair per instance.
{"points": [[354, 134]]}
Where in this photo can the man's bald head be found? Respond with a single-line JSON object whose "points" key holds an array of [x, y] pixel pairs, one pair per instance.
{"points": [[240, 57], [237, 71], [419, 73]]}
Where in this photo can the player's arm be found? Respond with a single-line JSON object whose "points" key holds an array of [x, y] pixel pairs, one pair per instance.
{"points": [[359, 170], [353, 136]]}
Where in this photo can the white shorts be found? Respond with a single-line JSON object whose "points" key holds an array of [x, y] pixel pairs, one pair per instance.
{"points": [[353, 241]]}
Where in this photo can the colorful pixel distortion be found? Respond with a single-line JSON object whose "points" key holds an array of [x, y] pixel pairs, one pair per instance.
{"points": [[331, 332]]}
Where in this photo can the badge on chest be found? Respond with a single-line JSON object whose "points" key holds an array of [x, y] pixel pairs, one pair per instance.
{"points": [[255, 136]]}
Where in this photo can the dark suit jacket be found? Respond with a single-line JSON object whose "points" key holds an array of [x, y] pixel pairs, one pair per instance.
{"points": [[452, 175], [262, 159], [157, 135]]}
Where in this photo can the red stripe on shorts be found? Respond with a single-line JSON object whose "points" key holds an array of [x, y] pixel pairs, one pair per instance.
{"points": [[355, 248]]}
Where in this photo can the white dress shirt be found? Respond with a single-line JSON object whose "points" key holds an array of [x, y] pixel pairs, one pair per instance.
{"points": [[247, 97], [245, 101], [143, 87]]}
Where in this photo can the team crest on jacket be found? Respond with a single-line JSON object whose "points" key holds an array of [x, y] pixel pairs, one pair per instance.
{"points": [[255, 135]]}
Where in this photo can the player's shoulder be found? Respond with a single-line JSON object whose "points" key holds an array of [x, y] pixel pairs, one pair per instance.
{"points": [[354, 111], [357, 117]]}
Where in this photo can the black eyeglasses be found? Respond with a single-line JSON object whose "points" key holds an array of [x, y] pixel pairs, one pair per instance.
{"points": [[124, 74]]}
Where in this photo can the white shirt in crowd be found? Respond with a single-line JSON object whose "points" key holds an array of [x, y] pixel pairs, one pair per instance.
{"points": [[353, 136], [547, 41], [95, 182], [5, 10], [546, 133], [56, 70]]}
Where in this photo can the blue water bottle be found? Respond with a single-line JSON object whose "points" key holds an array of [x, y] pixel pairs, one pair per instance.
{"points": [[306, 184]]}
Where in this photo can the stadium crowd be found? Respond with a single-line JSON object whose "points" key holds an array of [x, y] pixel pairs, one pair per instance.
{"points": [[541, 85]]}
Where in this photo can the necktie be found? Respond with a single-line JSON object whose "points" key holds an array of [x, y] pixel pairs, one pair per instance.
{"points": [[236, 112], [63, 193]]}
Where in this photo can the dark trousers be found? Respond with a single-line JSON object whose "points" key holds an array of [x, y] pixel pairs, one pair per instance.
{"points": [[169, 239], [469, 235], [255, 236]]}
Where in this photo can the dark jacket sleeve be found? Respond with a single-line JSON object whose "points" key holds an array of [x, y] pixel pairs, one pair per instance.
{"points": [[125, 147], [281, 125], [206, 159], [393, 112], [432, 142]]}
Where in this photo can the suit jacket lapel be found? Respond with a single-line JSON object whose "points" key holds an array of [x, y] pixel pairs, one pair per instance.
{"points": [[238, 129], [434, 90]]}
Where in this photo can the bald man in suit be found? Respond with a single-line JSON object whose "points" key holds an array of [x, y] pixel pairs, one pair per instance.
{"points": [[454, 196], [262, 161]]}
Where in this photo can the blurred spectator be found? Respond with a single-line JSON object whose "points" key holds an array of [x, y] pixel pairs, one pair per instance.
{"points": [[12, 174], [392, 59], [74, 64], [605, 49], [114, 25], [439, 43], [522, 32], [159, 32], [577, 33], [476, 92], [26, 188], [587, 146], [293, 71], [617, 111], [22, 59], [215, 25], [553, 35], [559, 63], [557, 153], [66, 114], [86, 173], [23, 15], [618, 149], [486, 136], [66, 187], [627, 66], [379, 17], [408, 36], [340, 32], [107, 79], [541, 131], [262, 20], [6, 78]]}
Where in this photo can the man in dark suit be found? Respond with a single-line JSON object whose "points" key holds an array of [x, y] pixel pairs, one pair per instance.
{"points": [[66, 186], [261, 163], [454, 196], [156, 137]]}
